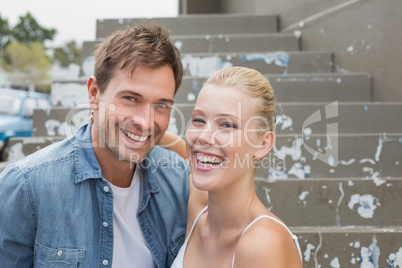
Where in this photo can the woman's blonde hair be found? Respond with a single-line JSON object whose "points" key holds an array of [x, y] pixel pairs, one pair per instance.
{"points": [[255, 85]]}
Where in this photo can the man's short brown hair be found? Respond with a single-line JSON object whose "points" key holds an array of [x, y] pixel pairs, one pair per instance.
{"points": [[147, 45]]}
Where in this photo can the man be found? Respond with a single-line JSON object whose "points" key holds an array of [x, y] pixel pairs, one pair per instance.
{"points": [[105, 197]]}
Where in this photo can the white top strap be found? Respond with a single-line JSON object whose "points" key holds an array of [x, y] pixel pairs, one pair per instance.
{"points": [[178, 261], [195, 221], [281, 223]]}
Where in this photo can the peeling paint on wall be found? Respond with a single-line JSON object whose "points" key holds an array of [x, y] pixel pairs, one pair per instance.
{"points": [[369, 256], [299, 170], [178, 44], [347, 163], [15, 152], [69, 94], [395, 259], [172, 128], [284, 122], [367, 204], [308, 252], [277, 173], [335, 263], [295, 151], [279, 58], [88, 66], [267, 190], [204, 66], [302, 197]]}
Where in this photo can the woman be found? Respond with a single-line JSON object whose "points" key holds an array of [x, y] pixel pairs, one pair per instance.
{"points": [[230, 130]]}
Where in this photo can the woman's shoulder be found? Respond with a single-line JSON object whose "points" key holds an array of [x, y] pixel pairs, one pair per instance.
{"points": [[267, 242]]}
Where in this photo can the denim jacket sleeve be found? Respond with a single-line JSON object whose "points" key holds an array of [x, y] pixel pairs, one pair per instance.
{"points": [[17, 220]]}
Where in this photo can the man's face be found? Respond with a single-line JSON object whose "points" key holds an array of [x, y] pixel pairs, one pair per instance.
{"points": [[133, 112]]}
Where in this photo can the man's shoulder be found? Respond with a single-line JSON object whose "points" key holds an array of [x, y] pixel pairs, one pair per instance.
{"points": [[162, 157], [52, 163], [45, 158], [164, 167]]}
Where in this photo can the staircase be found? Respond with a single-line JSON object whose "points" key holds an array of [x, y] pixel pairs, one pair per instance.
{"points": [[334, 176]]}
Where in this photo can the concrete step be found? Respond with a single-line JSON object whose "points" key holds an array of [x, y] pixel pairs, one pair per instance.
{"points": [[296, 118], [325, 87], [279, 62], [197, 24], [69, 93], [232, 43], [59, 121], [369, 156], [352, 117], [352, 247], [202, 65], [235, 43], [292, 118], [20, 147], [333, 202]]}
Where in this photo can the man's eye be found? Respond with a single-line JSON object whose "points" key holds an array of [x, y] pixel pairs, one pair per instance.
{"points": [[129, 98], [162, 105]]}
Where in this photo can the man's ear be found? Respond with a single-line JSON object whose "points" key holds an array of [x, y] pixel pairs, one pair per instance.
{"points": [[267, 143], [93, 92]]}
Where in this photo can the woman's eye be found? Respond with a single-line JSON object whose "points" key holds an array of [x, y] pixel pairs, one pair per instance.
{"points": [[197, 120], [229, 125]]}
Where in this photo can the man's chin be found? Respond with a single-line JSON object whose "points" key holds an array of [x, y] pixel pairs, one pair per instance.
{"points": [[136, 157]]}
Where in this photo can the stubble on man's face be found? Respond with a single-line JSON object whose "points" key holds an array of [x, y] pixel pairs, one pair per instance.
{"points": [[134, 112]]}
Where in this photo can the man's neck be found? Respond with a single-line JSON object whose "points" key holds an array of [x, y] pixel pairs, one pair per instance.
{"points": [[118, 172]]}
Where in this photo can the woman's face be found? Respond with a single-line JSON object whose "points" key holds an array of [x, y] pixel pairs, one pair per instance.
{"points": [[221, 139]]}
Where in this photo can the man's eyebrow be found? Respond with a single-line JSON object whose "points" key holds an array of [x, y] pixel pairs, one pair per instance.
{"points": [[130, 92], [127, 91], [166, 100]]}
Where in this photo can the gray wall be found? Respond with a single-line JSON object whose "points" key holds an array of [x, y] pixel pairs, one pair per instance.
{"points": [[199, 7], [364, 35]]}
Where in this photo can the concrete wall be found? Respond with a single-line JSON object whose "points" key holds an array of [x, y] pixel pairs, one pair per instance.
{"points": [[199, 7], [364, 35]]}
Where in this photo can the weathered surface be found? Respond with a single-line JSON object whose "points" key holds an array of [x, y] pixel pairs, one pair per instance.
{"points": [[308, 88], [333, 203], [198, 24]]}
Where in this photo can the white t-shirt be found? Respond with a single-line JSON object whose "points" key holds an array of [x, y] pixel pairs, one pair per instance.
{"points": [[129, 245]]}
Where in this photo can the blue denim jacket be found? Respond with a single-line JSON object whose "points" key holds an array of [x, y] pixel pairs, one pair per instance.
{"points": [[56, 208]]}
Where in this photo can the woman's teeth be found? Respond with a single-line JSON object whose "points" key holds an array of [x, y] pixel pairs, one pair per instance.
{"points": [[135, 137], [208, 160]]}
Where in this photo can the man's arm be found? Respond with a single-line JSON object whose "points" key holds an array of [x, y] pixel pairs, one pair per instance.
{"points": [[174, 143], [16, 220]]}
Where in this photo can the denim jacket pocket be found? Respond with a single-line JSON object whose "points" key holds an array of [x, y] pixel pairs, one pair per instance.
{"points": [[46, 257]]}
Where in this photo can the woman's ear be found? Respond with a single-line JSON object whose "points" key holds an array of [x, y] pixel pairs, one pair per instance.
{"points": [[267, 143], [93, 92]]}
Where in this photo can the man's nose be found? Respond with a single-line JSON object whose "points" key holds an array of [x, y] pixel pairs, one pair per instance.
{"points": [[144, 117]]}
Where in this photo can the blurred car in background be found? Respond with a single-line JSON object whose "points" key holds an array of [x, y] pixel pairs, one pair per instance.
{"points": [[16, 111]]}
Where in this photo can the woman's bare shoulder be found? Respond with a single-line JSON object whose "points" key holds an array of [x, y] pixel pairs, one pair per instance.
{"points": [[267, 244]]}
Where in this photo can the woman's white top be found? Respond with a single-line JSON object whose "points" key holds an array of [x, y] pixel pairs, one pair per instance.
{"points": [[178, 262]]}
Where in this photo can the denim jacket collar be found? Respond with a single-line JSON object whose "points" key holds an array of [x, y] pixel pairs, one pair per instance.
{"points": [[86, 163]]}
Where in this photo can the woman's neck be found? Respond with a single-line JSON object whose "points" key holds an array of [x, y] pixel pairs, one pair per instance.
{"points": [[232, 208]]}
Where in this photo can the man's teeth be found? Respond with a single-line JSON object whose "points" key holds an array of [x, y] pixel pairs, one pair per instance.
{"points": [[135, 137], [208, 161]]}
